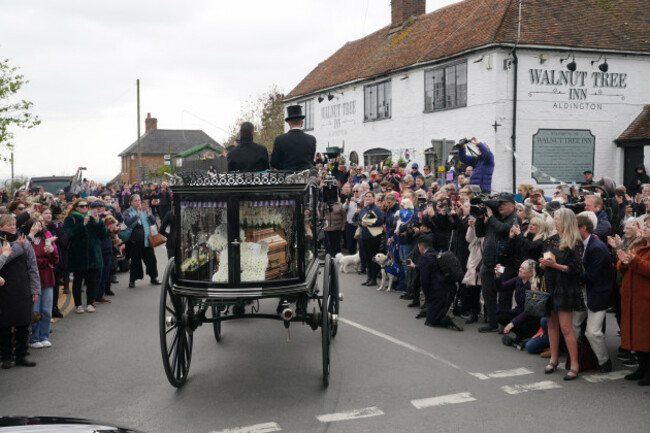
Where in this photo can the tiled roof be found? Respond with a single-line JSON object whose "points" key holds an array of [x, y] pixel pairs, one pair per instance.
{"points": [[639, 129], [199, 147], [618, 25], [163, 141]]}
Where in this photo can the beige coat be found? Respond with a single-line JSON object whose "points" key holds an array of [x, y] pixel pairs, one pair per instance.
{"points": [[472, 276]]}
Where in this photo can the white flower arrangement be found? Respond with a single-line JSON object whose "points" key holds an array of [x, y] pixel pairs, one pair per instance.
{"points": [[253, 261]]}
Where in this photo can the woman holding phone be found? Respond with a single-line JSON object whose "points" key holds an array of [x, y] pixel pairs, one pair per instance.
{"points": [[140, 217], [85, 254]]}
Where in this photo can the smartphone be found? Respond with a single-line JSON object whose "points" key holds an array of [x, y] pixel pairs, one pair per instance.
{"points": [[501, 269], [48, 242]]}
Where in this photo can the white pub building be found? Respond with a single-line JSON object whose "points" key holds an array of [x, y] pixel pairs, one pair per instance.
{"points": [[553, 87]]}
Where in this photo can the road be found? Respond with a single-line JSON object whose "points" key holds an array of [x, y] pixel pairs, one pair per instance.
{"points": [[389, 373]]}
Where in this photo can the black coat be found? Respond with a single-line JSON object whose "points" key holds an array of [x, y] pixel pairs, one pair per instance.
{"points": [[293, 151], [248, 156], [20, 273], [598, 276]]}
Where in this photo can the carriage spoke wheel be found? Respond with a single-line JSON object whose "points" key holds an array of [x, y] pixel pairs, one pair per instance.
{"points": [[333, 304], [216, 326], [175, 336], [325, 320]]}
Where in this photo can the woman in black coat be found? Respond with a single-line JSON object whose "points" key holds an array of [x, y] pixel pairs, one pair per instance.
{"points": [[20, 289]]}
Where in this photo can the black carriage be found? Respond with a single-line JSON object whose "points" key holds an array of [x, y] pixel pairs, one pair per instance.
{"points": [[242, 237]]}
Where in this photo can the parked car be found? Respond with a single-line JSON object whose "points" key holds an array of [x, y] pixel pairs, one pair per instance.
{"points": [[49, 424]]}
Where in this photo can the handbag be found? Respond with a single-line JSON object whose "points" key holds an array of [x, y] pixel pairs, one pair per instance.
{"points": [[155, 238], [538, 302], [125, 233]]}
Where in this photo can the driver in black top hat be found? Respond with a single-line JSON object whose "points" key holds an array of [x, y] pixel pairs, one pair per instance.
{"points": [[247, 155], [294, 150]]}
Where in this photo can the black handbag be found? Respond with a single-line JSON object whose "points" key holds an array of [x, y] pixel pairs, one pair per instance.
{"points": [[538, 302]]}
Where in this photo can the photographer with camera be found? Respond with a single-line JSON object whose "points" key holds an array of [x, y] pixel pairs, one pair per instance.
{"points": [[494, 226], [482, 162]]}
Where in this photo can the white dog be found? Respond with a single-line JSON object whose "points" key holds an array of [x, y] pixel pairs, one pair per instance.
{"points": [[386, 277], [346, 261]]}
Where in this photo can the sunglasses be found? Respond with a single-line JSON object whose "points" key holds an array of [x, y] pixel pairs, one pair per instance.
{"points": [[82, 205], [21, 208]]}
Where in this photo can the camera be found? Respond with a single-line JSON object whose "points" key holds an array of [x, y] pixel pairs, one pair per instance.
{"points": [[478, 206], [462, 142], [330, 191], [404, 262]]}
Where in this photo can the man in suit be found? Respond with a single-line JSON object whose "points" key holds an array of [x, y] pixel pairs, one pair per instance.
{"points": [[248, 156], [435, 288], [598, 279], [294, 150]]}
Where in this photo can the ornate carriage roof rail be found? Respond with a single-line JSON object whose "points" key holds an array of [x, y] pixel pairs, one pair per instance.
{"points": [[201, 178]]}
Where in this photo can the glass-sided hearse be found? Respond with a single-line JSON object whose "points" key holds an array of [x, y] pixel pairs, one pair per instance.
{"points": [[241, 237]]}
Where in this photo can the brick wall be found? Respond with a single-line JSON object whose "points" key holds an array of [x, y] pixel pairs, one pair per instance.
{"points": [[401, 10], [130, 166]]}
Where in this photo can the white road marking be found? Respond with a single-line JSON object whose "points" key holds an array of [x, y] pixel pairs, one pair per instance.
{"points": [[499, 374], [443, 400], [351, 414], [257, 428], [537, 386], [614, 375], [402, 343]]}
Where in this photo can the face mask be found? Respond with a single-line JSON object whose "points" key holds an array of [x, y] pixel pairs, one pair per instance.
{"points": [[405, 214]]}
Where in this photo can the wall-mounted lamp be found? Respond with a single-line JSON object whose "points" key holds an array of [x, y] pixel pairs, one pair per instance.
{"points": [[330, 95], [479, 60], [543, 58], [604, 67], [320, 98], [405, 77], [571, 66]]}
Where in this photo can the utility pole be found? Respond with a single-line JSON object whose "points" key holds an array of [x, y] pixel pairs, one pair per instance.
{"points": [[140, 168], [12, 173]]}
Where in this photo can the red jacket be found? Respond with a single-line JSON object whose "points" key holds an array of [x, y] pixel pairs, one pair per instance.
{"points": [[45, 262], [635, 301]]}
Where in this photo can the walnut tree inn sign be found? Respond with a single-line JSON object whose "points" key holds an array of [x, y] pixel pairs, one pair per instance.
{"points": [[578, 90], [562, 155]]}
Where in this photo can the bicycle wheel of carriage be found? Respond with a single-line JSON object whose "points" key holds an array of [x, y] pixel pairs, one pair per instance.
{"points": [[176, 337], [333, 304], [325, 319]]}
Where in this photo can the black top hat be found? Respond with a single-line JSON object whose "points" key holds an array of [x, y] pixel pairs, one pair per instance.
{"points": [[294, 112]]}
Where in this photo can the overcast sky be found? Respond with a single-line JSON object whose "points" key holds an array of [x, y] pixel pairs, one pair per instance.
{"points": [[197, 61]]}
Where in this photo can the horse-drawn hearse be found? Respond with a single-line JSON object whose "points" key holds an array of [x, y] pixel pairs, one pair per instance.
{"points": [[240, 238]]}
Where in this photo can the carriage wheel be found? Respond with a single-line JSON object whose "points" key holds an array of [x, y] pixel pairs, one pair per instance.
{"points": [[325, 320], [216, 326], [175, 336], [333, 305]]}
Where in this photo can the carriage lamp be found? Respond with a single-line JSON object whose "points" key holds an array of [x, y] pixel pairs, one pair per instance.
{"points": [[571, 66], [604, 67]]}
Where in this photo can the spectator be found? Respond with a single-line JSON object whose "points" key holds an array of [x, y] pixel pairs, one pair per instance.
{"points": [[139, 217], [589, 179], [562, 264], [46, 257], [415, 172], [472, 279], [19, 291], [635, 305], [483, 164], [106, 246], [334, 227], [516, 320], [370, 218], [598, 278], [84, 229], [350, 207], [429, 178], [61, 278], [594, 204], [405, 230], [640, 177]]}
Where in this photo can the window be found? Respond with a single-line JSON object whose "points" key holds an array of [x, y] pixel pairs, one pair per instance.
{"points": [[377, 101], [445, 87], [308, 111]]}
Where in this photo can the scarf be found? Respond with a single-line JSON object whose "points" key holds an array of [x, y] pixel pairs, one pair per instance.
{"points": [[10, 237]]}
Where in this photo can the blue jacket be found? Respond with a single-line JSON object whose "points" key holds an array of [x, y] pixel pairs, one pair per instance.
{"points": [[604, 228], [599, 276], [483, 165], [392, 215], [365, 233]]}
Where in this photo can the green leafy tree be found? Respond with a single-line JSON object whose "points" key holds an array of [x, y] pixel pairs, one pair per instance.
{"points": [[14, 112], [266, 113]]}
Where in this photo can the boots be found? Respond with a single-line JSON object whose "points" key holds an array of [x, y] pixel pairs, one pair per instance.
{"points": [[641, 374], [66, 285]]}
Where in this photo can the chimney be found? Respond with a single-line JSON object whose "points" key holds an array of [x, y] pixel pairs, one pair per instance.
{"points": [[402, 10], [150, 123]]}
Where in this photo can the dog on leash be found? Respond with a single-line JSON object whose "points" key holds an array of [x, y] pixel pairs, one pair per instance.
{"points": [[347, 261], [389, 272]]}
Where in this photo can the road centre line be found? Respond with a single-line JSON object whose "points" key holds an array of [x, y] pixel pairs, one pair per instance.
{"points": [[443, 400], [257, 428], [402, 343], [351, 414], [500, 374], [614, 375], [537, 386]]}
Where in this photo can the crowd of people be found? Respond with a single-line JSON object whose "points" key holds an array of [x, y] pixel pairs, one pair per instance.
{"points": [[587, 246], [455, 250], [54, 243]]}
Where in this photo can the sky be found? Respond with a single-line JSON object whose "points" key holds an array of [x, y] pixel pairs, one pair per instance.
{"points": [[198, 62]]}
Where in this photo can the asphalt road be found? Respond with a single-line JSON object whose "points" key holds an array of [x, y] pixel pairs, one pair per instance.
{"points": [[389, 373]]}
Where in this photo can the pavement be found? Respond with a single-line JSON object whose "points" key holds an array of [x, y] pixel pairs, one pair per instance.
{"points": [[389, 373]]}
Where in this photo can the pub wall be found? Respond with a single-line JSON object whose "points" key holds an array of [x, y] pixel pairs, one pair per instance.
{"points": [[603, 111]]}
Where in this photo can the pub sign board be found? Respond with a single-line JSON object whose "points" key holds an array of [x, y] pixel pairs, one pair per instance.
{"points": [[562, 155]]}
